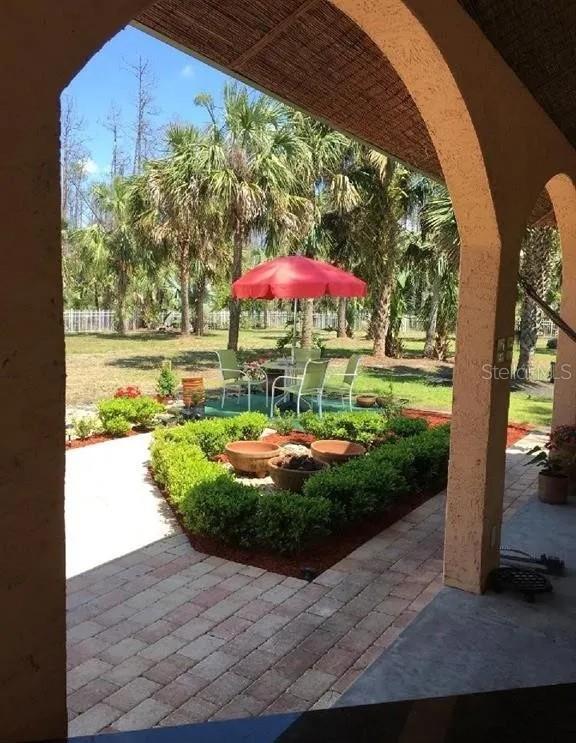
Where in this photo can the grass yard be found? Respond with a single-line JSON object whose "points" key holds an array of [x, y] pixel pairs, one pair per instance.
{"points": [[97, 364]]}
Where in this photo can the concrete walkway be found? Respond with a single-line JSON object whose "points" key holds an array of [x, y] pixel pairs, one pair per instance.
{"points": [[112, 507], [165, 635]]}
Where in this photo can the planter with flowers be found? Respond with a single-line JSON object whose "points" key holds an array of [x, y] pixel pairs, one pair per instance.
{"points": [[553, 482], [562, 448]]}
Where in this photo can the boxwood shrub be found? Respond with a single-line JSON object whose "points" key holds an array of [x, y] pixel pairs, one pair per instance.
{"points": [[369, 484], [133, 411], [212, 434], [213, 503], [365, 427]]}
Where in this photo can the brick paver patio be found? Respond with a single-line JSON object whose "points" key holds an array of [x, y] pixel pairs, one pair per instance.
{"points": [[167, 636]]}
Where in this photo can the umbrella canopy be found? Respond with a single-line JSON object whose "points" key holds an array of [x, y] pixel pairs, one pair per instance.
{"points": [[297, 277]]}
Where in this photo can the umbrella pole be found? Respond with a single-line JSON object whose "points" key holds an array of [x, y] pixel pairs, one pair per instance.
{"points": [[294, 328]]}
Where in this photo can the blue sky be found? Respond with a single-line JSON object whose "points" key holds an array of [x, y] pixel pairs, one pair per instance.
{"points": [[178, 77]]}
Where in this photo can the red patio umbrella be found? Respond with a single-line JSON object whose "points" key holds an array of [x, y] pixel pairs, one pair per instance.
{"points": [[297, 277]]}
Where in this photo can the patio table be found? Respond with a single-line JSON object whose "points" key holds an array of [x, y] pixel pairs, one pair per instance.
{"points": [[280, 367]]}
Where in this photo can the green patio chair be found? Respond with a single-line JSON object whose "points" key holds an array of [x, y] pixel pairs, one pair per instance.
{"points": [[302, 356], [310, 384], [343, 385], [233, 375]]}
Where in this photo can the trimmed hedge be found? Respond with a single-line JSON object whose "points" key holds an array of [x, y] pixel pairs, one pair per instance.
{"points": [[212, 434], [119, 414], [213, 503], [365, 427], [369, 484]]}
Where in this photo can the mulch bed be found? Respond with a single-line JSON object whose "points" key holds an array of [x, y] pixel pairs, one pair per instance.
{"points": [[97, 439], [515, 432], [330, 550], [318, 557]]}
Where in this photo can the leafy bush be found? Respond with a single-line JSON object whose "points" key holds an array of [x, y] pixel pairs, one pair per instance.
{"points": [[404, 427], [212, 434], [287, 522], [222, 508], [370, 483], [167, 382], [116, 426], [82, 428], [283, 423], [179, 466], [139, 411]]}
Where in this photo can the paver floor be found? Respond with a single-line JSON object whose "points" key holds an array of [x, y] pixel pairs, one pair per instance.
{"points": [[165, 635]]}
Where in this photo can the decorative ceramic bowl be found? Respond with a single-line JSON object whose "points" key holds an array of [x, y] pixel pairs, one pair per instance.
{"points": [[290, 479], [366, 401], [335, 451], [251, 457]]}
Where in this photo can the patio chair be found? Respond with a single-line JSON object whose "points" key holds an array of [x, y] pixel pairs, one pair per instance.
{"points": [[344, 385], [310, 384], [302, 356], [233, 375]]}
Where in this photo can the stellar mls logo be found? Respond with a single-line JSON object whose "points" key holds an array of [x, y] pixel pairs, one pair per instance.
{"points": [[489, 371]]}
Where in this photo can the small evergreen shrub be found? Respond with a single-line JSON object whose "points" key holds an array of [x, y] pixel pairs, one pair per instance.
{"points": [[116, 426], [167, 382], [139, 411], [286, 522], [85, 427]]}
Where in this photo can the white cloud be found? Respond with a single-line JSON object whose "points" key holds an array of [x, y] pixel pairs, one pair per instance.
{"points": [[187, 71], [91, 167]]}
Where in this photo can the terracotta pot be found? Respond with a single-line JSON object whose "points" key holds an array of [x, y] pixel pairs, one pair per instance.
{"points": [[565, 454], [193, 391], [335, 451], [553, 489], [287, 479], [251, 457], [366, 401]]}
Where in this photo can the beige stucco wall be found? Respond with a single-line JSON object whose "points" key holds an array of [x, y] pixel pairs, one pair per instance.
{"points": [[498, 150]]}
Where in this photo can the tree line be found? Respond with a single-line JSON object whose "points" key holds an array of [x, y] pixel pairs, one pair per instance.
{"points": [[259, 180]]}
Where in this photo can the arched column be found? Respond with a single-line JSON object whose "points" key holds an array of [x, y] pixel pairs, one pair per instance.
{"points": [[563, 195], [41, 46], [490, 235]]}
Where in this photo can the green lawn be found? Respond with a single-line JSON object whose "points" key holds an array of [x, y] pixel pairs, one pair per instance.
{"points": [[97, 364]]}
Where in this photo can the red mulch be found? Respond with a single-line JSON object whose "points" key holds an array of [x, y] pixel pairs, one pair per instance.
{"points": [[516, 431], [295, 437], [330, 550], [96, 439], [319, 556]]}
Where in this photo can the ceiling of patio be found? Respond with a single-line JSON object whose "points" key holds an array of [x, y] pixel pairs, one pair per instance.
{"points": [[310, 54]]}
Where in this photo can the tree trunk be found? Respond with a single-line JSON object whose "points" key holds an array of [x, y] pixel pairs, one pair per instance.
{"points": [[234, 304], [381, 317], [536, 253], [184, 294], [528, 338], [199, 306], [429, 345], [120, 302], [341, 329], [307, 323]]}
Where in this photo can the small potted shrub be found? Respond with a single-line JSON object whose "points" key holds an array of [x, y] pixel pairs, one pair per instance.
{"points": [[166, 384], [290, 471], [552, 480], [562, 447]]}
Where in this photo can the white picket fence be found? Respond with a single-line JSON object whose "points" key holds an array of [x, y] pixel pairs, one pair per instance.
{"points": [[103, 321], [93, 321]]}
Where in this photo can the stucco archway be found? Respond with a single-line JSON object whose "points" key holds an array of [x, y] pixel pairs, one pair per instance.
{"points": [[563, 195], [42, 48]]}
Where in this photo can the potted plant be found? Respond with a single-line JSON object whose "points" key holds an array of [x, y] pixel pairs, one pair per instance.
{"points": [[552, 480], [167, 383], [290, 471], [562, 446]]}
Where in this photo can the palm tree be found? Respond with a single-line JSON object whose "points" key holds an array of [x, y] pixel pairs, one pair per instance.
{"points": [[539, 249], [246, 165], [440, 259], [118, 236], [318, 178]]}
